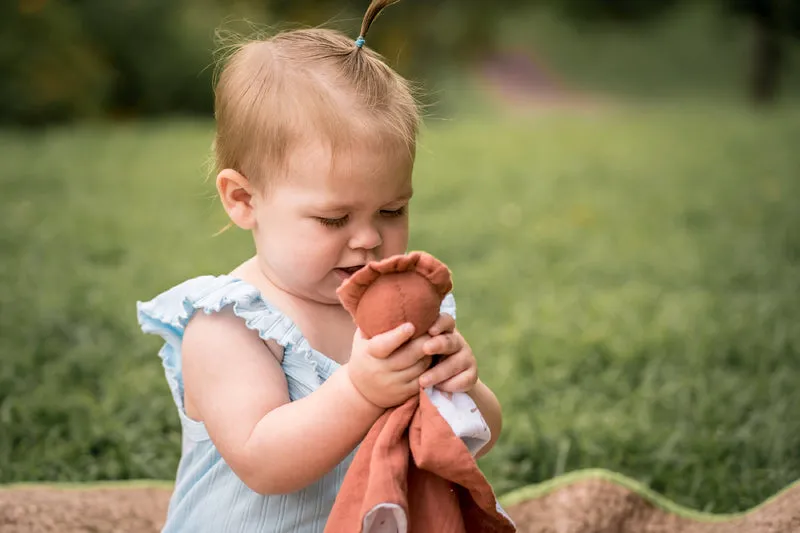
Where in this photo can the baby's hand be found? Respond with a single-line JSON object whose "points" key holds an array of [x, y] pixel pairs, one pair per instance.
{"points": [[458, 370], [384, 369]]}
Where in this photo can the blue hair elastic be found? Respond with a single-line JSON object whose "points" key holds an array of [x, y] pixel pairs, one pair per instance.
{"points": [[360, 41]]}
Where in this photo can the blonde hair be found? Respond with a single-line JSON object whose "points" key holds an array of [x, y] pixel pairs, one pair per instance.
{"points": [[273, 92]]}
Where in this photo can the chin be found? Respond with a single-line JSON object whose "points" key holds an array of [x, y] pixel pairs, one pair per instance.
{"points": [[328, 295]]}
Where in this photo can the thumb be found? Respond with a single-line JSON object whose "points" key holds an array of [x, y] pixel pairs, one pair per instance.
{"points": [[384, 344]]}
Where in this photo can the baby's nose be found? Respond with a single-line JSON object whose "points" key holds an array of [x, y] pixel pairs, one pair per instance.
{"points": [[366, 238]]}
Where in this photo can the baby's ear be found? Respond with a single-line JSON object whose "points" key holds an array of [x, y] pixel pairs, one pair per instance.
{"points": [[237, 198]]}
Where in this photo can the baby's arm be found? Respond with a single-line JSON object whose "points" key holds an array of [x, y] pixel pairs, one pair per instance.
{"points": [[490, 409], [238, 389]]}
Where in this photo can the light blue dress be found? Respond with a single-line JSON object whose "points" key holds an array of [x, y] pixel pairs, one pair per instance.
{"points": [[208, 496]]}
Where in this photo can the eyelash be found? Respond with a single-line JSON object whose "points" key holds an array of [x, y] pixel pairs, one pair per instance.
{"points": [[340, 222], [334, 222], [391, 213]]}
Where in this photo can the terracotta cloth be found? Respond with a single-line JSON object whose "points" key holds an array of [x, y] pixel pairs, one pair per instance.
{"points": [[412, 459]]}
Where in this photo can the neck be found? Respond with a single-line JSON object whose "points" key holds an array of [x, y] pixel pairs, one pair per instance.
{"points": [[329, 328]]}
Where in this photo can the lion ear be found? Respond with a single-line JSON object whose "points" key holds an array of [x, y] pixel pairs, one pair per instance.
{"points": [[436, 272]]}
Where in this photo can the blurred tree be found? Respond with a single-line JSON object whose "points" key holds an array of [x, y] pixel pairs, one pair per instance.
{"points": [[51, 69], [66, 59], [158, 64], [772, 23], [69, 59], [614, 10]]}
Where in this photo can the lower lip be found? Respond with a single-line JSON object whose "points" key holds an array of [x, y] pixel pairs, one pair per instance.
{"points": [[343, 274]]}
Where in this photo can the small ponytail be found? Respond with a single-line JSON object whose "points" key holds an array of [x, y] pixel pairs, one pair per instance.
{"points": [[374, 9]]}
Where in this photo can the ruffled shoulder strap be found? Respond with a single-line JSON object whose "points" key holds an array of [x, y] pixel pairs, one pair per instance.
{"points": [[168, 313]]}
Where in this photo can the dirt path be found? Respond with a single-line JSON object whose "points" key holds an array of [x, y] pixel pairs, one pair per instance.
{"points": [[522, 81], [95, 510]]}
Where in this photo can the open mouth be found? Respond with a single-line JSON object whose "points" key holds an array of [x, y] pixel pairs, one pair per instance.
{"points": [[349, 271]]}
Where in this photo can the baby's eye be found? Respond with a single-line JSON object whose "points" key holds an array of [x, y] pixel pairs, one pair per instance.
{"points": [[394, 212], [333, 222]]}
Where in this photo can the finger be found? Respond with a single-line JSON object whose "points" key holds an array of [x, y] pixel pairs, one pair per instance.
{"points": [[444, 324], [462, 382], [411, 389], [446, 369], [413, 372], [409, 354], [386, 343], [443, 344], [405, 388]]}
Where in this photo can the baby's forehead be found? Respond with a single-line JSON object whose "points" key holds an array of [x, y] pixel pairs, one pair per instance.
{"points": [[351, 154], [349, 176]]}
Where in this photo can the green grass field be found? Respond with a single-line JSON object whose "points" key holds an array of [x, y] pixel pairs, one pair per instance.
{"points": [[629, 278]]}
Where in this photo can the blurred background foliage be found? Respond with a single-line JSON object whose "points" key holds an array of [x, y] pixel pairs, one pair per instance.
{"points": [[76, 59], [621, 221]]}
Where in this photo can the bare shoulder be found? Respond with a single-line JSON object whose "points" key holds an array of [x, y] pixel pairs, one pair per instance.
{"points": [[230, 375], [224, 329]]}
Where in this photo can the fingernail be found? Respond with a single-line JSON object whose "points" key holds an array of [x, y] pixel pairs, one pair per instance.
{"points": [[408, 328]]}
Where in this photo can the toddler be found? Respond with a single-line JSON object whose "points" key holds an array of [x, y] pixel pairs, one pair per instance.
{"points": [[274, 386]]}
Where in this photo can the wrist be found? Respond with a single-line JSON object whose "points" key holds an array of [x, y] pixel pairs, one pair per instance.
{"points": [[490, 410], [476, 389], [357, 396]]}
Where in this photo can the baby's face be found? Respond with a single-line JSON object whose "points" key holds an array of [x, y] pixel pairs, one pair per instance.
{"points": [[326, 219]]}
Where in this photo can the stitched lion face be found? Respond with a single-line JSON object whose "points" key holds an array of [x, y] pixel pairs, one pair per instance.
{"points": [[402, 288]]}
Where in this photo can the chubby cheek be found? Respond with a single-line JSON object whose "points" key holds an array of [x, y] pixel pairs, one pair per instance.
{"points": [[299, 264], [316, 252]]}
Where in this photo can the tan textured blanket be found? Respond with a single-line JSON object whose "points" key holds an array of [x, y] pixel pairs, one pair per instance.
{"points": [[593, 501]]}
